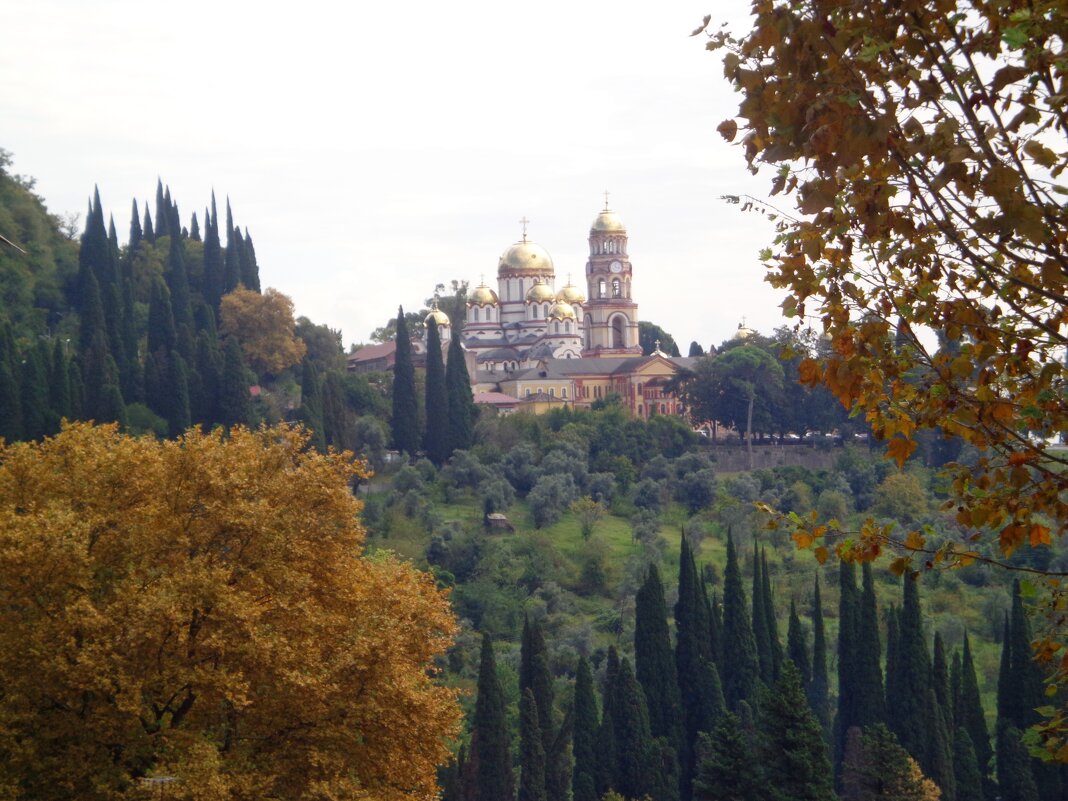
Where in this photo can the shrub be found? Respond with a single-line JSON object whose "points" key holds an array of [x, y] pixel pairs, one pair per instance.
{"points": [[550, 498]]}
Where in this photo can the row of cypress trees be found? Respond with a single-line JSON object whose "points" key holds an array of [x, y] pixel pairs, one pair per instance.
{"points": [[171, 361], [450, 410], [727, 713]]}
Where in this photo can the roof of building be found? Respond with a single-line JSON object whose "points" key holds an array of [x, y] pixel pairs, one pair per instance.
{"points": [[371, 352], [495, 399]]}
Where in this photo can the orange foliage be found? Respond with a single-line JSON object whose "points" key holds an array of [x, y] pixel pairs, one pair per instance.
{"points": [[265, 327], [201, 609]]}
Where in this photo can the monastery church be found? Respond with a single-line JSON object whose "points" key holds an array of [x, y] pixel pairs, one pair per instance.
{"points": [[531, 346]]}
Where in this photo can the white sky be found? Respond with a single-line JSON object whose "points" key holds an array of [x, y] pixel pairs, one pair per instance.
{"points": [[375, 149]]}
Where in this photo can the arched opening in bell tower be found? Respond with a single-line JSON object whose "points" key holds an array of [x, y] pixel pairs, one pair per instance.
{"points": [[619, 339]]}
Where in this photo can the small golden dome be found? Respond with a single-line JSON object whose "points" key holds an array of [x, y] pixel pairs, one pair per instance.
{"points": [[608, 221], [438, 316], [743, 332], [570, 294], [561, 311], [525, 257], [483, 296], [540, 293]]}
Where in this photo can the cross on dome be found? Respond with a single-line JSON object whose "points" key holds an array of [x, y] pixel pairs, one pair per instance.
{"points": [[524, 221], [606, 200]]}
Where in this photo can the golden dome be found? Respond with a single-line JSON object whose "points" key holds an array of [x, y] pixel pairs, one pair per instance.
{"points": [[743, 332], [483, 296], [525, 257], [608, 221], [540, 293], [561, 311], [570, 294], [438, 316]]}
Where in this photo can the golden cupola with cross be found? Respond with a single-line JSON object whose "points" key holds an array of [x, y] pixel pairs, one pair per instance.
{"points": [[610, 313]]}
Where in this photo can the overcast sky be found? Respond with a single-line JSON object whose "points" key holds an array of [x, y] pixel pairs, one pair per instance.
{"points": [[376, 149]]}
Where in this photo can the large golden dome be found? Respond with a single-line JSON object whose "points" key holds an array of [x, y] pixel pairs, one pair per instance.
{"points": [[483, 296], [561, 311], [570, 294], [438, 316], [540, 293], [608, 221], [525, 257]]}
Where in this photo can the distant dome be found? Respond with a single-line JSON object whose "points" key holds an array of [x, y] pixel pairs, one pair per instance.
{"points": [[561, 311], [483, 296], [438, 316], [570, 294], [540, 293], [743, 331], [525, 257], [608, 221]]}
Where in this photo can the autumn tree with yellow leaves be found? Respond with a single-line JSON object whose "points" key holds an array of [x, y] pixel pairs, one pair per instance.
{"points": [[264, 326], [924, 146], [200, 612]]}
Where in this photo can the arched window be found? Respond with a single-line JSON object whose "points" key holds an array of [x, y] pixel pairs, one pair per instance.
{"points": [[528, 392], [619, 339], [557, 327], [616, 288], [563, 390], [600, 288], [474, 315], [546, 307], [552, 392], [534, 312]]}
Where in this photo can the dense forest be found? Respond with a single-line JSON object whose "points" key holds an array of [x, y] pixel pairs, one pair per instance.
{"points": [[628, 624]]}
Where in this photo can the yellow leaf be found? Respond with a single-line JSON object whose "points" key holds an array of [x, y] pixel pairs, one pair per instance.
{"points": [[900, 449]]}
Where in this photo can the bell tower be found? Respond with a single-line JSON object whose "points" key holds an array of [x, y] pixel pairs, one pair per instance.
{"points": [[610, 314]]}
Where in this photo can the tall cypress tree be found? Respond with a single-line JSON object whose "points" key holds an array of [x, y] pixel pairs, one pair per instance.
{"points": [[462, 410], [163, 213], [214, 266], [654, 662], [404, 424], [793, 753], [966, 772], [194, 228], [727, 769], [436, 435], [93, 324], [250, 270], [584, 741], [819, 689], [34, 396], [59, 381], [178, 417], [531, 753], [940, 678], [135, 230], [1016, 782], [772, 624], [10, 399], [232, 258], [635, 770], [607, 747], [693, 656], [740, 669], [912, 676], [937, 757], [761, 635], [848, 625], [968, 714], [868, 688], [490, 748], [162, 334], [149, 232], [234, 400], [534, 675], [797, 647]]}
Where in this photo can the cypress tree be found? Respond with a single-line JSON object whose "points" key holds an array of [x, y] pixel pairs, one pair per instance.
{"points": [[338, 423], [214, 266], [819, 689], [234, 401], [204, 404], [404, 423], [94, 251], [740, 669], [534, 675], [10, 400], [727, 769], [912, 679], [178, 417], [848, 626], [772, 624], [966, 773], [194, 228], [178, 284], [635, 771], [1006, 712], [584, 742], [163, 214], [34, 397], [793, 753], [436, 435], [868, 687], [531, 753], [968, 713], [232, 257], [311, 405], [462, 410], [161, 330], [940, 678], [92, 312], [135, 231], [59, 382], [1015, 779], [761, 635], [149, 233], [250, 270], [654, 662], [693, 654], [490, 748], [77, 390], [797, 647], [607, 747], [715, 624], [937, 757]]}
